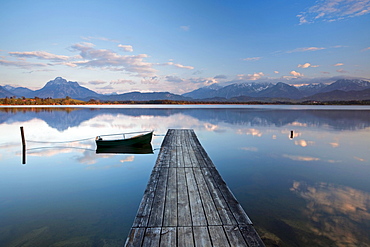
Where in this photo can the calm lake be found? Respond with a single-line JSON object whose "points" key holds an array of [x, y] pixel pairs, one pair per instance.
{"points": [[311, 188]]}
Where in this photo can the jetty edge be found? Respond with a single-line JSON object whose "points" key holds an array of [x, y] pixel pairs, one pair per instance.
{"points": [[187, 203]]}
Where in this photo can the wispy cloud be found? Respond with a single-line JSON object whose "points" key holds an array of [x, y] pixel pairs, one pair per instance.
{"points": [[338, 64], [185, 28], [128, 48], [252, 58], [174, 79], [304, 49], [39, 55], [22, 64], [89, 38], [342, 71], [366, 49], [334, 10], [106, 59], [178, 65]]}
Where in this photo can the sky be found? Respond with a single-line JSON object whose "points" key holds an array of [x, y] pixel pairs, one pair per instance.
{"points": [[178, 46]]}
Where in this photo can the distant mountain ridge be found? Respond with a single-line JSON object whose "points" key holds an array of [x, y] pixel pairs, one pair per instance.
{"points": [[341, 89]]}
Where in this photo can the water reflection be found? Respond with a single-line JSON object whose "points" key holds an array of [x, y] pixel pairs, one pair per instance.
{"points": [[64, 118], [306, 188], [336, 212]]}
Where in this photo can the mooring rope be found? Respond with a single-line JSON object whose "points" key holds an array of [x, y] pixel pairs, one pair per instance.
{"points": [[62, 141], [56, 147]]}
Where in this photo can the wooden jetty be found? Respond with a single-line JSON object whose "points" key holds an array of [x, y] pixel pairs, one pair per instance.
{"points": [[187, 203]]}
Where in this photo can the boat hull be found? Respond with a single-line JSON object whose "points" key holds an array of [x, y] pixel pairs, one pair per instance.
{"points": [[134, 141]]}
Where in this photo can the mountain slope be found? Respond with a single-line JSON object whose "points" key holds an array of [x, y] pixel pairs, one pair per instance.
{"points": [[137, 96], [5, 93], [347, 85], [20, 91], [61, 88]]}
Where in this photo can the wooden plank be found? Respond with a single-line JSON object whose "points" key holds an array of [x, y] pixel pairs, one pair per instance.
{"points": [[197, 213], [173, 150], [222, 207], [237, 210], [218, 236], [152, 237], [201, 236], [187, 203], [208, 203], [183, 204], [185, 151], [168, 236], [234, 236], [170, 209], [135, 237], [142, 216], [156, 215], [185, 237], [251, 236]]}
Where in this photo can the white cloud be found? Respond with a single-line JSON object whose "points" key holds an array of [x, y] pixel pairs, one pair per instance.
{"points": [[296, 74], [307, 65], [22, 64], [178, 65], [127, 48], [276, 72], [106, 59], [334, 10], [122, 81], [304, 49], [39, 55], [366, 49], [99, 38], [252, 58], [251, 77], [338, 64]]}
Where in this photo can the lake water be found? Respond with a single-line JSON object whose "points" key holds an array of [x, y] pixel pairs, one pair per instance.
{"points": [[308, 189]]}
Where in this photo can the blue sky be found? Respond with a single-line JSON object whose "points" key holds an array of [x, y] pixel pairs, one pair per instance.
{"points": [[178, 46]]}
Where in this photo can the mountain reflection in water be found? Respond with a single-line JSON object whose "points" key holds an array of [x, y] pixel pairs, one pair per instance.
{"points": [[302, 175], [64, 118]]}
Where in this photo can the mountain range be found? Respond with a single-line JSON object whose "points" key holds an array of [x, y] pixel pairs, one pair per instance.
{"points": [[341, 89]]}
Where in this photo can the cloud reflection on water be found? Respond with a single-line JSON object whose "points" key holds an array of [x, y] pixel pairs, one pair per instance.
{"points": [[335, 211]]}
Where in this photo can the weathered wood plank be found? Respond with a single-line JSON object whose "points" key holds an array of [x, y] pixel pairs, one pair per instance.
{"points": [[168, 237], [197, 213], [152, 237], [170, 209], [251, 236], [222, 207], [187, 203], [185, 237], [135, 237], [218, 236], [201, 236], [156, 215], [237, 210], [142, 216], [234, 236], [183, 204], [208, 203]]}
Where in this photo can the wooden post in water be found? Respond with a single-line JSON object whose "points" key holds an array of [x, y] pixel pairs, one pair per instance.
{"points": [[23, 146]]}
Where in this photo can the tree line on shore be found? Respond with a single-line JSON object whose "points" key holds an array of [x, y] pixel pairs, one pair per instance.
{"points": [[69, 101]]}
